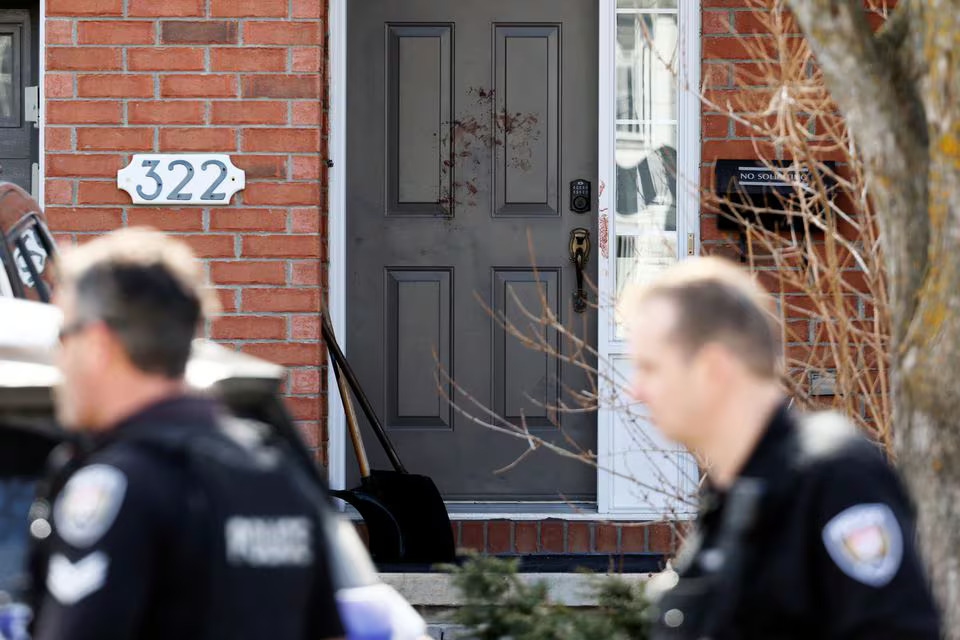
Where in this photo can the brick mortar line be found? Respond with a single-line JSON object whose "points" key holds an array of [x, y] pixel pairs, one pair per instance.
{"points": [[191, 233], [293, 342], [753, 35], [186, 72]]}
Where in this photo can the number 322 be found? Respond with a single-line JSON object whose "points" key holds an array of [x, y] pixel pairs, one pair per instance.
{"points": [[177, 193]]}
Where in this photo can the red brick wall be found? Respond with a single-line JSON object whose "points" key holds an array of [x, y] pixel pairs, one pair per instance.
{"points": [[244, 77], [724, 67], [731, 33], [563, 536], [554, 536]]}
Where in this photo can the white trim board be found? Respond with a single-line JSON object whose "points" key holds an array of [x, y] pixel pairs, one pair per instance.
{"points": [[41, 76], [688, 212], [337, 235], [530, 515]]}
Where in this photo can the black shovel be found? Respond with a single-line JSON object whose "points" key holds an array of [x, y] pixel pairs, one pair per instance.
{"points": [[405, 515]]}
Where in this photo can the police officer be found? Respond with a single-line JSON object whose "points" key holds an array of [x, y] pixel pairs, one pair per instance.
{"points": [[174, 520], [804, 530]]}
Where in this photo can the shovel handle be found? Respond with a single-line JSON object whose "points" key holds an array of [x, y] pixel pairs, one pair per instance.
{"points": [[352, 424], [340, 362]]}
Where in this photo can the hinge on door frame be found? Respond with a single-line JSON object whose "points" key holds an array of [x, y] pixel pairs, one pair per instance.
{"points": [[31, 105], [691, 244], [35, 181]]}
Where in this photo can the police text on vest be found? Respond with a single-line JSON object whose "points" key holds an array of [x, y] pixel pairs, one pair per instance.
{"points": [[269, 542]]}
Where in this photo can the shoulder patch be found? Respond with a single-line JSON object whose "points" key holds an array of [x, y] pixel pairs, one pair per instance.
{"points": [[89, 504], [866, 543]]}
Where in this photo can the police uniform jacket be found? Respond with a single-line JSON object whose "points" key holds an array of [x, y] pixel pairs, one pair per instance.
{"points": [[143, 544], [815, 539]]}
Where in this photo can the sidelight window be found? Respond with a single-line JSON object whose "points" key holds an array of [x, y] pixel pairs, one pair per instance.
{"points": [[647, 75], [649, 158]]}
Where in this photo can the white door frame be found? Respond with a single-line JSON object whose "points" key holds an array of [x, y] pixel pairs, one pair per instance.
{"points": [[40, 188], [616, 495], [337, 235], [688, 211]]}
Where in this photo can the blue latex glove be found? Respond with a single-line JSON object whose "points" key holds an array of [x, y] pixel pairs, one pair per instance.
{"points": [[378, 612], [14, 619]]}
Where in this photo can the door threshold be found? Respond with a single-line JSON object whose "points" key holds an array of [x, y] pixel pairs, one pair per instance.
{"points": [[520, 510], [513, 510]]}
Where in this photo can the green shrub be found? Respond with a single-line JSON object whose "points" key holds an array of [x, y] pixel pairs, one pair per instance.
{"points": [[497, 605]]}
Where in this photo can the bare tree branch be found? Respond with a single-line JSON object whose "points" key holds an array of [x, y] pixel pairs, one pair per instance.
{"points": [[886, 117]]}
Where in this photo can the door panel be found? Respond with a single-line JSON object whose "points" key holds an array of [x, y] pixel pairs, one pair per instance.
{"points": [[418, 69], [465, 123], [525, 381], [527, 92], [19, 140], [418, 319]]}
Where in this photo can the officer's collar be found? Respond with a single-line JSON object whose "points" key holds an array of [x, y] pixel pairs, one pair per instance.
{"points": [[762, 462], [181, 409], [765, 460]]}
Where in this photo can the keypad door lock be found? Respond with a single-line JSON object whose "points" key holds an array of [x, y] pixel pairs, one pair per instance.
{"points": [[580, 197]]}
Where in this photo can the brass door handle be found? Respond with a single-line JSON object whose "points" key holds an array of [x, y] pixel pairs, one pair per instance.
{"points": [[579, 254]]}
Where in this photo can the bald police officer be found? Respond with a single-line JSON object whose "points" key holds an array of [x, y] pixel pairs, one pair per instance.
{"points": [[172, 519], [804, 530]]}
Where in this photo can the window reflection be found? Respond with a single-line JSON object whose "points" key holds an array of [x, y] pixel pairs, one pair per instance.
{"points": [[7, 89], [646, 65], [646, 178], [646, 206], [641, 258], [646, 4], [645, 221]]}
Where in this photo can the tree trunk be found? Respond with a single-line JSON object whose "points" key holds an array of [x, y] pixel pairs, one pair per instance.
{"points": [[898, 92], [931, 464]]}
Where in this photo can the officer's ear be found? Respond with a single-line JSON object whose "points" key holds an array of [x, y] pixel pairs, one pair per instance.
{"points": [[104, 345], [714, 363]]}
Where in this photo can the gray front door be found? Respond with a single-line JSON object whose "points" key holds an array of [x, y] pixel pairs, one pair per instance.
{"points": [[19, 139], [467, 120]]}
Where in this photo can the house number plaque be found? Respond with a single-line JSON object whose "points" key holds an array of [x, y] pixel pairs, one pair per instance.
{"points": [[202, 179]]}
